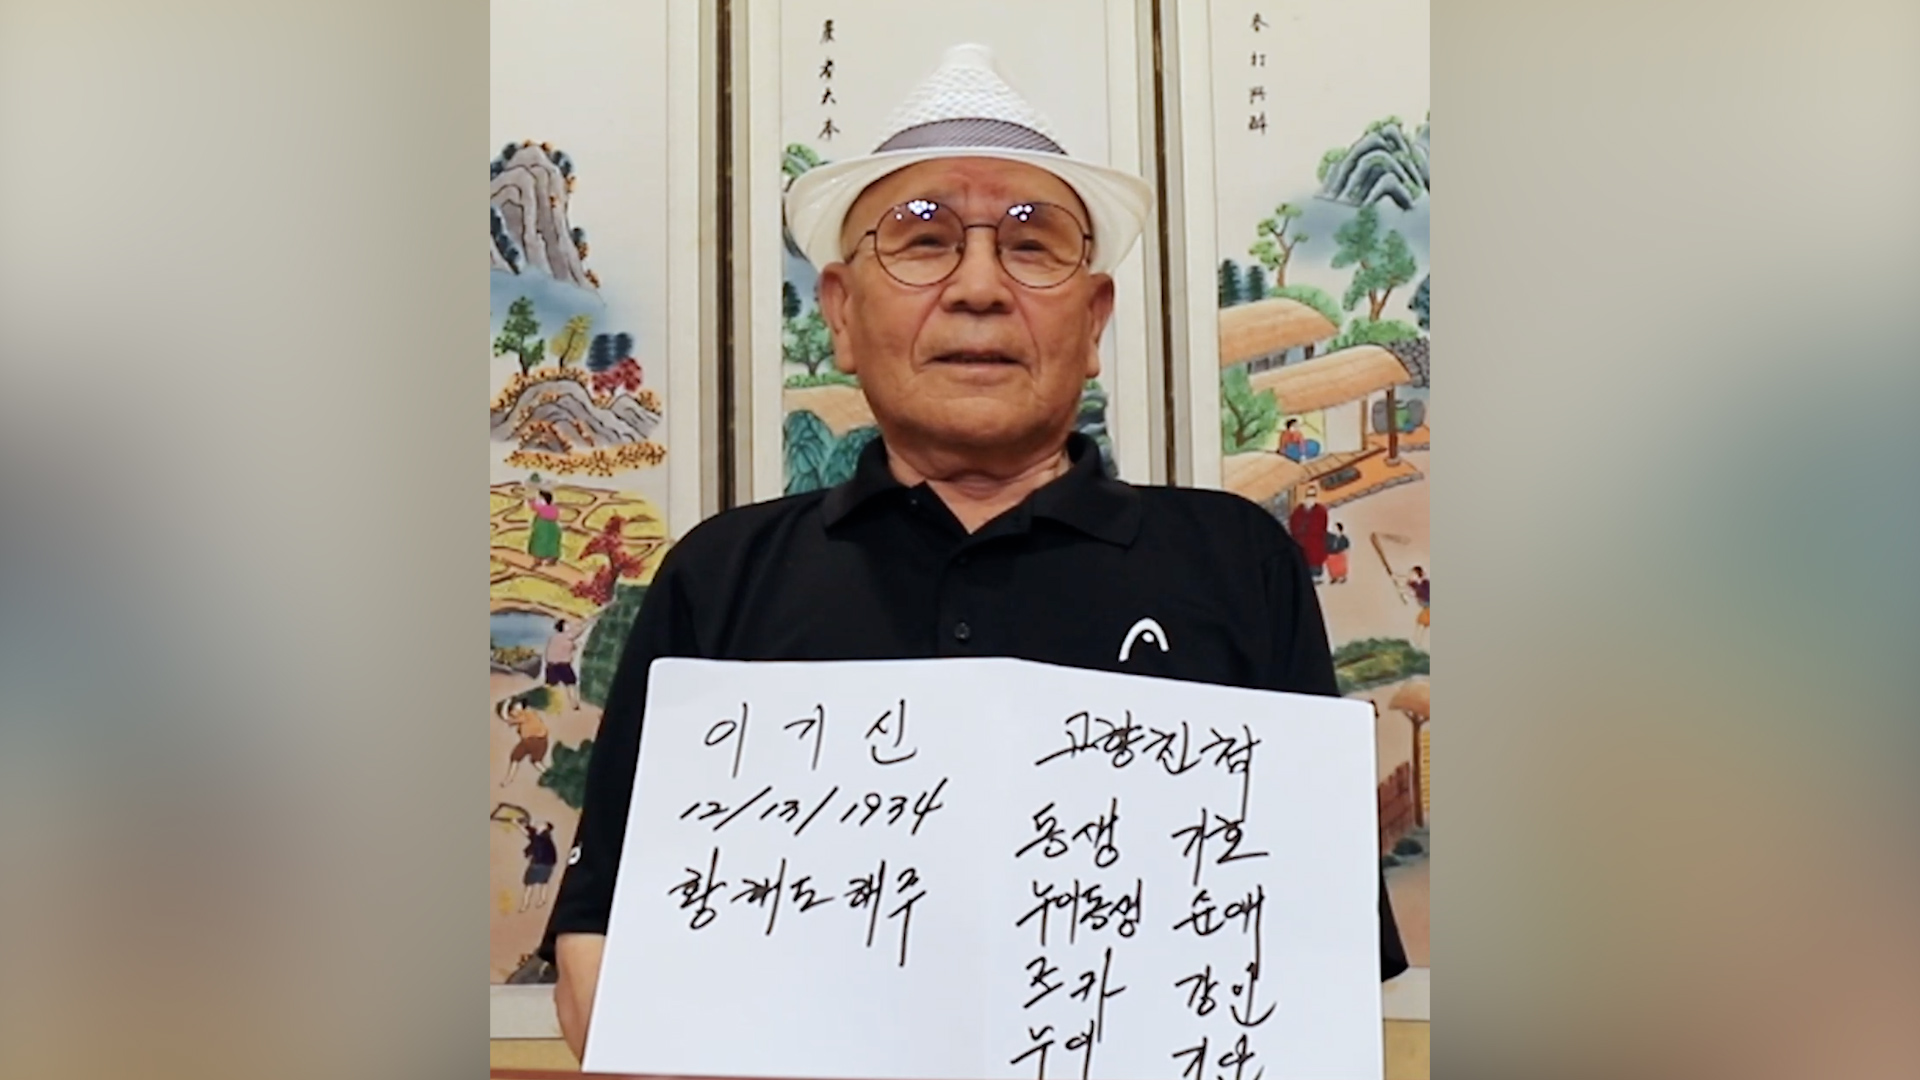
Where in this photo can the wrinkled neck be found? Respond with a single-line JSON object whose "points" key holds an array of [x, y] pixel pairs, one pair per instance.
{"points": [[977, 494]]}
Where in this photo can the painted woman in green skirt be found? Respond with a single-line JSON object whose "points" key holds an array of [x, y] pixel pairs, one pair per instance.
{"points": [[544, 544]]}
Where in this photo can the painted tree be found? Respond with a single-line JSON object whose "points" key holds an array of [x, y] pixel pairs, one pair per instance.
{"points": [[1246, 417], [1230, 285], [566, 774], [806, 341], [622, 346], [600, 653], [789, 301], [798, 158], [807, 443], [610, 544], [1328, 161], [1274, 248], [844, 458], [503, 243], [517, 335], [1422, 303], [1091, 421], [1256, 284], [1316, 298], [1381, 263], [1374, 332], [570, 344], [601, 354]]}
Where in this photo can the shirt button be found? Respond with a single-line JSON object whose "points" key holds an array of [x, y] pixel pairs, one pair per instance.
{"points": [[961, 632]]}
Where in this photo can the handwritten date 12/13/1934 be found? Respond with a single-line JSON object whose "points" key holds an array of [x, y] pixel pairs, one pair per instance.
{"points": [[880, 809]]}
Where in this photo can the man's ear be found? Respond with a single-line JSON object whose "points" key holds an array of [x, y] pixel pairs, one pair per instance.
{"points": [[834, 293], [1100, 311]]}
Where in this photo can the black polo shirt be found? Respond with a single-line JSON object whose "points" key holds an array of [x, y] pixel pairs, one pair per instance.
{"points": [[873, 569]]}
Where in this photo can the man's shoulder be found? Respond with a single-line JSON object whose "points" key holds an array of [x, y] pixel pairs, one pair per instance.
{"points": [[1220, 515], [728, 532]]}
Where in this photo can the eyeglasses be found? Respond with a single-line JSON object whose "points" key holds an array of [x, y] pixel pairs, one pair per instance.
{"points": [[921, 242]]}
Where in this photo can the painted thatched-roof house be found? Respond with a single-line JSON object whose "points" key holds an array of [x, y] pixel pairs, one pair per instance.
{"points": [[1334, 379], [1329, 397], [1268, 333]]}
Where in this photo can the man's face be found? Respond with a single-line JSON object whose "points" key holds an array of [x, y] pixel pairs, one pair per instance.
{"points": [[976, 365]]}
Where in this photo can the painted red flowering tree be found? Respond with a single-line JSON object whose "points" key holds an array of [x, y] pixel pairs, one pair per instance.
{"points": [[610, 545]]}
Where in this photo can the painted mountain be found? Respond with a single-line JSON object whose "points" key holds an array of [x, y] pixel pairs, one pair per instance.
{"points": [[559, 414], [1384, 164], [530, 233]]}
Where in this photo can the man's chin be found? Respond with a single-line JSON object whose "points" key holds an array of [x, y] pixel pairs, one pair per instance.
{"points": [[976, 425]]}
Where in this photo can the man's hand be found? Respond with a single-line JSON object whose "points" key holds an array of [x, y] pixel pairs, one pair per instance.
{"points": [[577, 959]]}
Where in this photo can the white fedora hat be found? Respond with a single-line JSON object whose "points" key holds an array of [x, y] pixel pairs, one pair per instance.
{"points": [[965, 109]]}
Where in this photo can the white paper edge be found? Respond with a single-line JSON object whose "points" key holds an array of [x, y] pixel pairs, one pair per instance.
{"points": [[1404, 997]]}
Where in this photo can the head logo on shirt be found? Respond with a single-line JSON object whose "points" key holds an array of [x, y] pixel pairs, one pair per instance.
{"points": [[1144, 630]]}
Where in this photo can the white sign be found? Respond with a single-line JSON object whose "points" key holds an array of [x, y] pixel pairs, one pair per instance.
{"points": [[969, 869]]}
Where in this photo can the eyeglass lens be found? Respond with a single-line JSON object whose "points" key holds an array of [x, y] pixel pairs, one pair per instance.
{"points": [[921, 242]]}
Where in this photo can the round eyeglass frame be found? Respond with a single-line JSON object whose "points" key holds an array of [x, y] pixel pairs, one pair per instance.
{"points": [[1086, 242]]}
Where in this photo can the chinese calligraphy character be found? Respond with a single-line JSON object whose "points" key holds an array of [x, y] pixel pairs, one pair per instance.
{"points": [[827, 98], [827, 130], [1259, 60], [826, 69], [826, 31], [1259, 23], [1258, 93], [1257, 123]]}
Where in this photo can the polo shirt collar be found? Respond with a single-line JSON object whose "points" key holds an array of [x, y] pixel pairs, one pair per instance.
{"points": [[1084, 498]]}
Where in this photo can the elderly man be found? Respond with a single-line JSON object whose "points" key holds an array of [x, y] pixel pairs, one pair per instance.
{"points": [[964, 278]]}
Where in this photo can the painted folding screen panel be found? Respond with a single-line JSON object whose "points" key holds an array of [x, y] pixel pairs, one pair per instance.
{"points": [[1304, 136], [820, 79], [593, 454]]}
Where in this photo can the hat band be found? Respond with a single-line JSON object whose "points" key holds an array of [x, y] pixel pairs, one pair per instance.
{"points": [[996, 134]]}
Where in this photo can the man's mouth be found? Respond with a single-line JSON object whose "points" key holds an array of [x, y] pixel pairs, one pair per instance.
{"points": [[975, 358]]}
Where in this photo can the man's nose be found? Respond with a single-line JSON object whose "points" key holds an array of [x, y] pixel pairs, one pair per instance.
{"points": [[979, 283]]}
